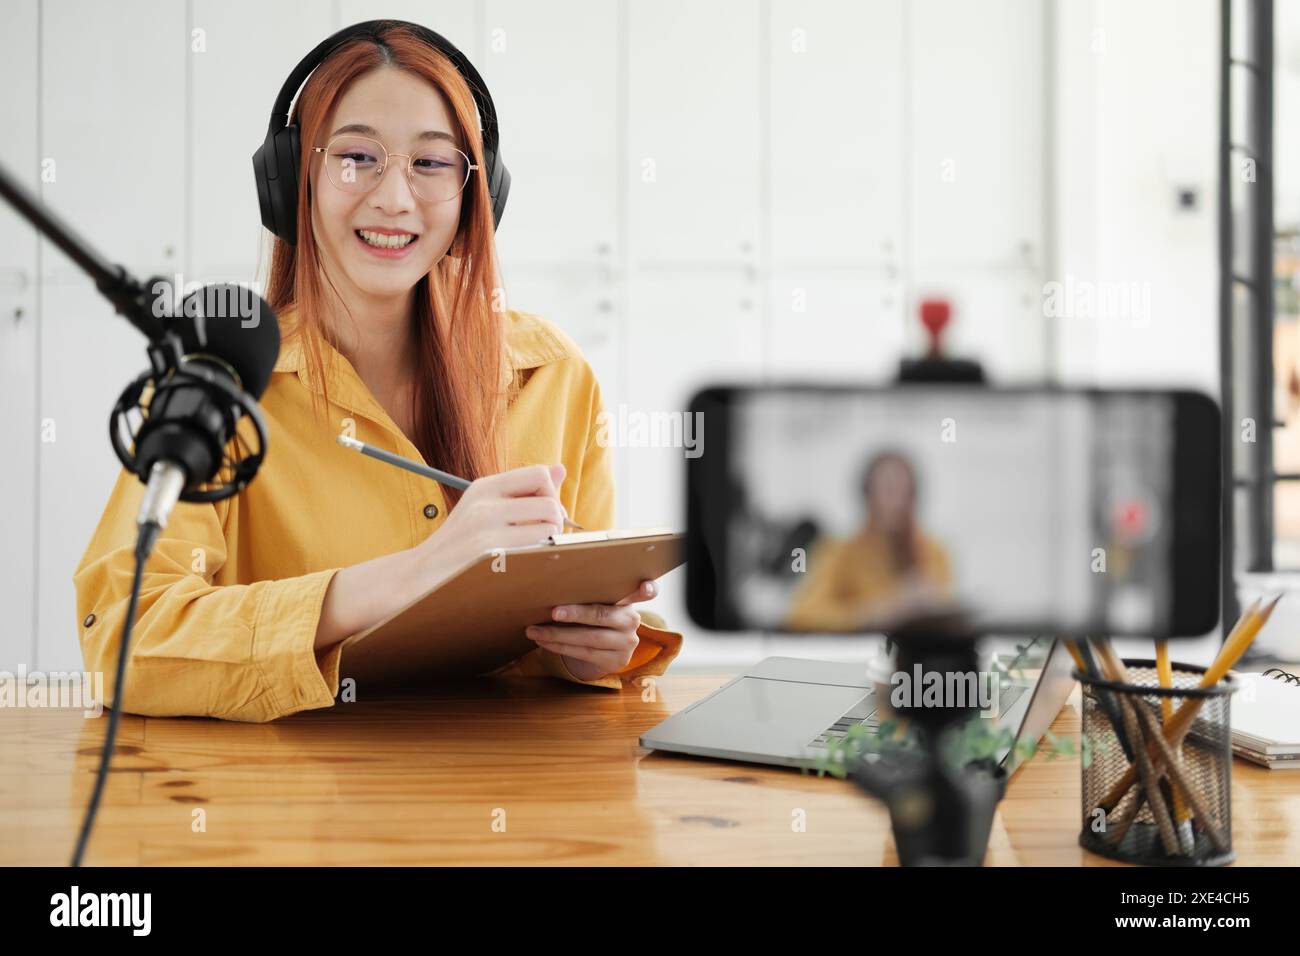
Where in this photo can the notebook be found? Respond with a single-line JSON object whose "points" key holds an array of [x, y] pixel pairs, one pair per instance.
{"points": [[1266, 719]]}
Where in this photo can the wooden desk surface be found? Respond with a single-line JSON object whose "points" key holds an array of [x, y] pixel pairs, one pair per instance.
{"points": [[418, 781]]}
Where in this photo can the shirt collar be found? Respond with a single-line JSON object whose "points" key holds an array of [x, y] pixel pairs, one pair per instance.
{"points": [[530, 342]]}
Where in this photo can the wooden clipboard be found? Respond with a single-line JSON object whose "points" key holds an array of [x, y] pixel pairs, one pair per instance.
{"points": [[473, 622]]}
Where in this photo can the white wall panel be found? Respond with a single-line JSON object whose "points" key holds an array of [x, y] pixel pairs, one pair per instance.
{"points": [[248, 49], [693, 135], [114, 129], [838, 326], [19, 329], [553, 68], [836, 134]]}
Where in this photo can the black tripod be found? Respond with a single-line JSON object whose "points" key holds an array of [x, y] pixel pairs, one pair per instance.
{"points": [[941, 814]]}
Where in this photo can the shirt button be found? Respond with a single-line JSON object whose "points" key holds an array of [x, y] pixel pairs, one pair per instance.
{"points": [[431, 511], [90, 620]]}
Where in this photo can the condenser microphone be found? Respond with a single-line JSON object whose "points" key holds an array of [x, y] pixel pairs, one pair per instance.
{"points": [[186, 446], [211, 359]]}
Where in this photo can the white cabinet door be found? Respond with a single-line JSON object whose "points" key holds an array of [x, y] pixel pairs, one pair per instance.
{"points": [[19, 325], [553, 72], [693, 102], [235, 78], [88, 356], [846, 327], [546, 64], [976, 112], [113, 129], [978, 157], [836, 135], [685, 331]]}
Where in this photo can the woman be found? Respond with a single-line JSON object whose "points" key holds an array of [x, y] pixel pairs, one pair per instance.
{"points": [[885, 573], [393, 332]]}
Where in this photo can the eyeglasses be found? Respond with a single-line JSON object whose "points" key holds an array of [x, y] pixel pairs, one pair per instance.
{"points": [[356, 164]]}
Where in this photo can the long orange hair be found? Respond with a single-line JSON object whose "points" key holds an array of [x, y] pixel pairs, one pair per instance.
{"points": [[458, 395]]}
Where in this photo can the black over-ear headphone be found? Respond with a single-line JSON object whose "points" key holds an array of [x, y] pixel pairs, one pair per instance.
{"points": [[275, 164]]}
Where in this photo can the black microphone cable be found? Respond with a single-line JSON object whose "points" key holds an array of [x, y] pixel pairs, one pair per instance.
{"points": [[145, 539]]}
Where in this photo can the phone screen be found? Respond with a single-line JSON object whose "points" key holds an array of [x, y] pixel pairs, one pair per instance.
{"points": [[850, 510]]}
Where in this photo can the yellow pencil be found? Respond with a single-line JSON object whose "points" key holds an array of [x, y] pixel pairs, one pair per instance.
{"points": [[1236, 644], [1241, 637], [1078, 658], [1165, 673]]}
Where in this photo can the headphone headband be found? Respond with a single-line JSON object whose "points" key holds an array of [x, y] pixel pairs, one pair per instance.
{"points": [[374, 30], [275, 163]]}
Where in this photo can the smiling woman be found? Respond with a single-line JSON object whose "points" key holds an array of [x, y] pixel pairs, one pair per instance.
{"points": [[387, 193], [385, 279], [366, 92]]}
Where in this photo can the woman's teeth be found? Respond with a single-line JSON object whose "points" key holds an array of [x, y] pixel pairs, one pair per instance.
{"points": [[385, 241]]}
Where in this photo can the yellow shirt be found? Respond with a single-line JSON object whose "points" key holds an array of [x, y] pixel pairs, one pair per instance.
{"points": [[232, 594], [846, 575]]}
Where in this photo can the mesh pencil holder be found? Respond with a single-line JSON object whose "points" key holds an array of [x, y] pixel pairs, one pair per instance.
{"points": [[1137, 806]]}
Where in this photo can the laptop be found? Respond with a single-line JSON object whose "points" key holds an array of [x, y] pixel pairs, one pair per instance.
{"points": [[783, 710]]}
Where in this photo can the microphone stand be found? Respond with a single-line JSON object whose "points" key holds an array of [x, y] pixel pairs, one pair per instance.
{"points": [[133, 301]]}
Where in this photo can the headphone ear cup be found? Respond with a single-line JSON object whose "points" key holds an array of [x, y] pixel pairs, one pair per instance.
{"points": [[502, 191], [275, 168], [285, 189], [263, 158], [498, 184]]}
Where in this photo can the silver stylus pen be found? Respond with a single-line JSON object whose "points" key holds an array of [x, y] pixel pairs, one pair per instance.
{"points": [[442, 477]]}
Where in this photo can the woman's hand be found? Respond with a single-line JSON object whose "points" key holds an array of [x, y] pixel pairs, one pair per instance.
{"points": [[507, 510], [511, 509], [594, 639]]}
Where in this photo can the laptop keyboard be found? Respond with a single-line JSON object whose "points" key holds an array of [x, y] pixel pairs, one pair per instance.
{"points": [[864, 713]]}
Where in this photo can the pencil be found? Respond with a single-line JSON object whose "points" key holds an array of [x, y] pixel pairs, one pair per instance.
{"points": [[1112, 669], [1243, 633], [1178, 780], [419, 468], [1181, 789], [1108, 702], [1165, 673]]}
